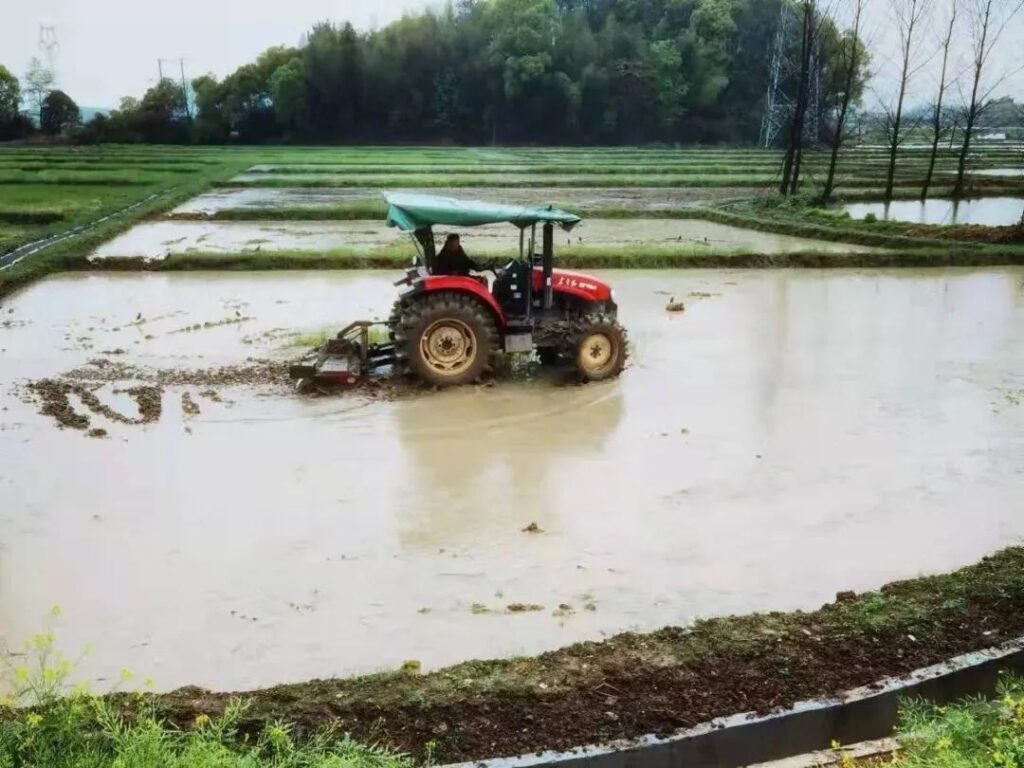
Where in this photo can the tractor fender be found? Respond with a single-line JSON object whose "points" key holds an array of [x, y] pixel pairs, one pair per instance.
{"points": [[463, 285], [579, 284]]}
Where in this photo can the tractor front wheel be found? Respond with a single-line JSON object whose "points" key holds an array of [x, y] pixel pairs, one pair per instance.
{"points": [[599, 348], [446, 339]]}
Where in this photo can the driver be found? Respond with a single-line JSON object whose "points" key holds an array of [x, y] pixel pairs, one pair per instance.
{"points": [[452, 260]]}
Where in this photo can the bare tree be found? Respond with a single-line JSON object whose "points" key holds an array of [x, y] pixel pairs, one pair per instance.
{"points": [[851, 55], [937, 126], [986, 20], [907, 15], [38, 83]]}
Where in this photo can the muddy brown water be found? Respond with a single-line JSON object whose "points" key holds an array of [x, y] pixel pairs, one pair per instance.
{"points": [[324, 197], [158, 239], [790, 435]]}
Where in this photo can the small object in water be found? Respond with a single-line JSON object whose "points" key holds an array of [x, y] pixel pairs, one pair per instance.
{"points": [[523, 607], [533, 528], [138, 317], [674, 306]]}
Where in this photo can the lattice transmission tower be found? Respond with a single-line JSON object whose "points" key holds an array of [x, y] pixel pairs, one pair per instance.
{"points": [[779, 105], [48, 46]]}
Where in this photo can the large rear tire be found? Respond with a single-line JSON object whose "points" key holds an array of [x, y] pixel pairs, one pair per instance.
{"points": [[599, 348], [446, 338]]}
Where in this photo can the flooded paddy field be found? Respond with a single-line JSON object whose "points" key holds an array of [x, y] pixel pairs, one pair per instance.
{"points": [[158, 239], [991, 211], [314, 197], [783, 438]]}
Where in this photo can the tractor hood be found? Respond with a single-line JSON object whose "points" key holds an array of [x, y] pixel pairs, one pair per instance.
{"points": [[410, 212]]}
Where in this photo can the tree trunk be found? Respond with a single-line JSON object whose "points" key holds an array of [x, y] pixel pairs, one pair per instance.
{"points": [[972, 110], [965, 148], [851, 73], [937, 116], [790, 168], [830, 180], [894, 138]]}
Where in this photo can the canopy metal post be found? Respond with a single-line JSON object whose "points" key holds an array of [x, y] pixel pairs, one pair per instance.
{"points": [[548, 261], [425, 236]]}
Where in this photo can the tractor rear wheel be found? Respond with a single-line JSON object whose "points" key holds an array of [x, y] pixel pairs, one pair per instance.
{"points": [[446, 338], [599, 348]]}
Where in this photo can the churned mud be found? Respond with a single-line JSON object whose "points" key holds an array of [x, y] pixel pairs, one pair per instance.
{"points": [[87, 384]]}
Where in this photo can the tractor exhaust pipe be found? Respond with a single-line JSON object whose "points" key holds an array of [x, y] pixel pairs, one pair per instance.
{"points": [[548, 263]]}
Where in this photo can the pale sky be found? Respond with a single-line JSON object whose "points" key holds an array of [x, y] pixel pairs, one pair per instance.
{"points": [[109, 48]]}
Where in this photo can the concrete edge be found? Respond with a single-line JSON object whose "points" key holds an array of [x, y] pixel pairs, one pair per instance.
{"points": [[829, 757], [861, 714]]}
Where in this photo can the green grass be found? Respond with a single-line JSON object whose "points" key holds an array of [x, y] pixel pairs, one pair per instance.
{"points": [[973, 733], [46, 723]]}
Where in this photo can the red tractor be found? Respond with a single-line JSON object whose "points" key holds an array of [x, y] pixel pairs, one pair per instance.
{"points": [[449, 329]]}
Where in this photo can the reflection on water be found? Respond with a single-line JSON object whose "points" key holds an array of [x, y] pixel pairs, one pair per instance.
{"points": [[991, 211], [475, 447]]}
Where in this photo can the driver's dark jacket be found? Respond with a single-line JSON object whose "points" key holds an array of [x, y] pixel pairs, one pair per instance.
{"points": [[453, 261]]}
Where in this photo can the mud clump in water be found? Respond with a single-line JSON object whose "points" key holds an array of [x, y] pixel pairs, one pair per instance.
{"points": [[54, 402], [189, 406], [533, 528], [252, 373], [98, 432], [523, 607], [149, 400]]}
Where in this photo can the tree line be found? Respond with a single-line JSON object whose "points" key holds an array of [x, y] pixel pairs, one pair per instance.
{"points": [[481, 71]]}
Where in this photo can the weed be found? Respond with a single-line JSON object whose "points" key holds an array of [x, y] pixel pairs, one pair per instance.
{"points": [[73, 728], [975, 732]]}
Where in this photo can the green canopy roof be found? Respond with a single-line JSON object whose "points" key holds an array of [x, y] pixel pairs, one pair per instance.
{"points": [[410, 212]]}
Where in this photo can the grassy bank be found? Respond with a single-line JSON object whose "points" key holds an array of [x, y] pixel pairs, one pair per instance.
{"points": [[650, 683], [802, 217], [591, 257], [629, 685], [72, 253]]}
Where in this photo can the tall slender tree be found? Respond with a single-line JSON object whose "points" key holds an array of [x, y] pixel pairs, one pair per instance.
{"points": [[937, 118], [907, 16], [794, 146], [986, 20], [852, 58]]}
